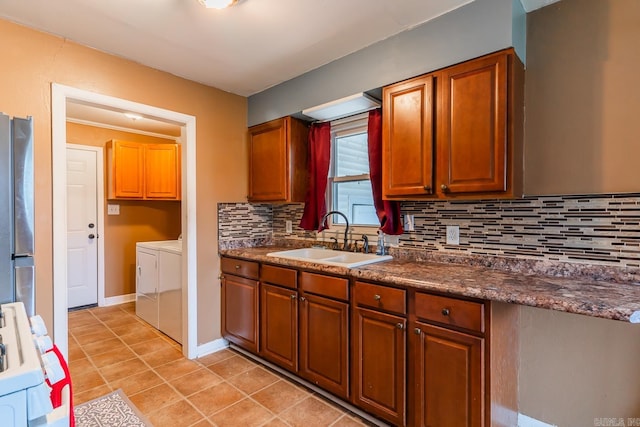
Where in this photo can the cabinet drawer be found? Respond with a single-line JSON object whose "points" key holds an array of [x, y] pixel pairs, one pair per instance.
{"points": [[239, 267], [450, 311], [279, 276], [332, 287], [381, 297]]}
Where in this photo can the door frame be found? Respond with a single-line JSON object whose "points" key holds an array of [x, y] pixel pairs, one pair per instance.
{"points": [[100, 214], [60, 94]]}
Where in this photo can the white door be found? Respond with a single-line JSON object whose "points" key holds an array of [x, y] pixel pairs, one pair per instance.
{"points": [[82, 228]]}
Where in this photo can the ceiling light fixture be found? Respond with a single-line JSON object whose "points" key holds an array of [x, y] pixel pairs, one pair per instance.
{"points": [[217, 4]]}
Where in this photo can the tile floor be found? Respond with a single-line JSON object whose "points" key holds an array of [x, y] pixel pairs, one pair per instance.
{"points": [[111, 348]]}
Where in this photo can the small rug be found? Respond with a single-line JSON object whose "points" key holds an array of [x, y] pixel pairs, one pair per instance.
{"points": [[112, 410]]}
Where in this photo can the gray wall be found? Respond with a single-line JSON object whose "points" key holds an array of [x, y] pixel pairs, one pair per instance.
{"points": [[480, 27]]}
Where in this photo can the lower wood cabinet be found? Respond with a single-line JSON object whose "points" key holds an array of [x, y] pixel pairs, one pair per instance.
{"points": [[379, 366], [324, 334], [405, 356], [279, 325], [447, 377], [240, 302]]}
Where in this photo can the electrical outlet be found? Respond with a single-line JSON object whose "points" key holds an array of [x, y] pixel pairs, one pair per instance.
{"points": [[113, 209], [453, 235], [288, 226], [409, 223]]}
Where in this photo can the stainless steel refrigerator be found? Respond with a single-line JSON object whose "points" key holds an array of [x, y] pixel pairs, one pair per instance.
{"points": [[17, 278]]}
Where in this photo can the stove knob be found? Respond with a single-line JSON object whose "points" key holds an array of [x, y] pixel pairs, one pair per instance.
{"points": [[52, 368], [43, 343], [37, 325]]}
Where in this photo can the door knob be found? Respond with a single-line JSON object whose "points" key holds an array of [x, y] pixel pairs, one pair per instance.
{"points": [[92, 236], [91, 225]]}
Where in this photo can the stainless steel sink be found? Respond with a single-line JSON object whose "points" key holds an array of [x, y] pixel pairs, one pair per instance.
{"points": [[330, 257]]}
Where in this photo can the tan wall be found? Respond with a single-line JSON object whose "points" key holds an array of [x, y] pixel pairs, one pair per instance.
{"points": [[33, 60], [574, 369], [139, 221], [582, 100]]}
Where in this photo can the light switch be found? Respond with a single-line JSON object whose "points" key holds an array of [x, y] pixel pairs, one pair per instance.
{"points": [[113, 209]]}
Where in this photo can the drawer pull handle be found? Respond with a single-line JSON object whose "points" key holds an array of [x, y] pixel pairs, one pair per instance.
{"points": [[400, 325], [377, 297], [417, 331], [445, 312]]}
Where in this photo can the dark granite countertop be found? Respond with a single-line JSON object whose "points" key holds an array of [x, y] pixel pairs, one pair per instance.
{"points": [[609, 300]]}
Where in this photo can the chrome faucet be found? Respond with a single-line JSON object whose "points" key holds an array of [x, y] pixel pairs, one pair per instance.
{"points": [[346, 227]]}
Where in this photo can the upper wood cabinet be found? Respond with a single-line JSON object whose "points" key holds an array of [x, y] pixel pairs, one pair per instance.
{"points": [[139, 171], [278, 169], [476, 110], [407, 126]]}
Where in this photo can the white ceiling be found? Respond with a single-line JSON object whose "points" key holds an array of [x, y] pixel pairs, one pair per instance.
{"points": [[244, 49]]}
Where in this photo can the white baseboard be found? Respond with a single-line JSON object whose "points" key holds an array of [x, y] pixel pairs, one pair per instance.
{"points": [[212, 347], [118, 299], [525, 421]]}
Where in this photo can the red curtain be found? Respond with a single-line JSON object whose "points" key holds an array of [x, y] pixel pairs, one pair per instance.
{"points": [[388, 211], [319, 158]]}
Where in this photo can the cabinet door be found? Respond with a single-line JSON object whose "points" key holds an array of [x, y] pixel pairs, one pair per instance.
{"points": [[472, 127], [279, 326], [268, 161], [380, 364], [407, 138], [240, 311], [128, 167], [449, 377], [162, 171], [324, 343]]}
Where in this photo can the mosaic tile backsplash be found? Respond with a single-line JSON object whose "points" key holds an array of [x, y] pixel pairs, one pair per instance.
{"points": [[595, 229]]}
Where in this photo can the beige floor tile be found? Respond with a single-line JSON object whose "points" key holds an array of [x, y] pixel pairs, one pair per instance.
{"points": [[216, 357], [195, 381], [124, 369], [276, 422], [80, 366], [213, 399], [112, 357], [137, 383], [232, 366], [311, 412], [154, 398], [177, 368], [161, 357], [92, 335], [94, 393], [347, 421], [246, 413], [204, 423], [87, 380], [280, 396], [178, 414], [154, 344], [141, 334], [98, 347], [253, 380]]}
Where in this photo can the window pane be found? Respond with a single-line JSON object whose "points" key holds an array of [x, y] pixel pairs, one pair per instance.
{"points": [[355, 200], [351, 155]]}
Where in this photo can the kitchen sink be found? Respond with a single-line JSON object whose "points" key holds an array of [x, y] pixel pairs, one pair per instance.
{"points": [[330, 257]]}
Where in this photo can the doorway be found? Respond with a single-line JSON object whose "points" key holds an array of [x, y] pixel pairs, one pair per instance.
{"points": [[60, 95], [85, 229]]}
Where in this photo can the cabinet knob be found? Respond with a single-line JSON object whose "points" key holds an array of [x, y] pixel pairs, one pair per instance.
{"points": [[444, 187], [294, 296], [377, 297], [427, 188], [445, 312], [221, 276], [417, 331], [237, 267], [303, 299], [400, 325]]}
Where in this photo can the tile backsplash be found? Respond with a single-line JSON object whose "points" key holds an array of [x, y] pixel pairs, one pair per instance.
{"points": [[594, 229]]}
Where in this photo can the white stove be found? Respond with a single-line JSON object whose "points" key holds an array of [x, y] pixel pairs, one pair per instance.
{"points": [[25, 397]]}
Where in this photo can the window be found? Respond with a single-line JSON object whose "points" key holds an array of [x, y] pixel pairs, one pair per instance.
{"points": [[349, 189]]}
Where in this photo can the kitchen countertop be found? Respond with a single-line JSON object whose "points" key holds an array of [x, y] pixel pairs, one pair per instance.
{"points": [[617, 301]]}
